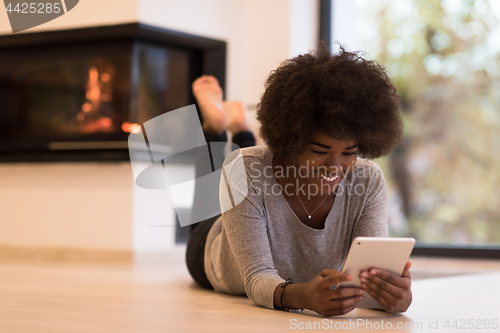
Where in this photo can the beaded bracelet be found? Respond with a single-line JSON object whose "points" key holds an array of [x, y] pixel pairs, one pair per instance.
{"points": [[287, 282]]}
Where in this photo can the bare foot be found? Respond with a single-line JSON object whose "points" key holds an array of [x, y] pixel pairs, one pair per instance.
{"points": [[237, 117], [208, 94]]}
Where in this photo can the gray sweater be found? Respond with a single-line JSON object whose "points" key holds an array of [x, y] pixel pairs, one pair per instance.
{"points": [[261, 242]]}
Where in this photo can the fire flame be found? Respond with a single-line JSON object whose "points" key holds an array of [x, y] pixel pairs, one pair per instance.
{"points": [[131, 128], [93, 115], [98, 90]]}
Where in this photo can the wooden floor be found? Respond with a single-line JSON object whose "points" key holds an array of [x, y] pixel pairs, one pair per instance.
{"points": [[157, 295]]}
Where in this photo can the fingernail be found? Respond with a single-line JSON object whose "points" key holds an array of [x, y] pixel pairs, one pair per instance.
{"points": [[364, 274], [360, 298], [373, 272], [363, 279], [361, 291]]}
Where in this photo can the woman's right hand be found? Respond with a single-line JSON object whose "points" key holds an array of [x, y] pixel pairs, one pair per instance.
{"points": [[318, 296]]}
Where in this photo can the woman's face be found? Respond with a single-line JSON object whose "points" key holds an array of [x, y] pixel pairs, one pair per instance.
{"points": [[327, 162]]}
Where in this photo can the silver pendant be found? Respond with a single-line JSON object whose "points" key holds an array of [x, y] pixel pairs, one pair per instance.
{"points": [[309, 216]]}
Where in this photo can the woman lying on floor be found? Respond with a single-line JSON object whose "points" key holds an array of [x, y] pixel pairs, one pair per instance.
{"points": [[308, 195]]}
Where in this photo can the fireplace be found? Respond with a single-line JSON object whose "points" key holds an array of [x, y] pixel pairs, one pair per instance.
{"points": [[75, 95]]}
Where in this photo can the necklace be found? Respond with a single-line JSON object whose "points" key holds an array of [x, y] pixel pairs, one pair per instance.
{"points": [[309, 215]]}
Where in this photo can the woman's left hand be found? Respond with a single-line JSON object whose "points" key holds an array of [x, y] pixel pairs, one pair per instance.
{"points": [[391, 291]]}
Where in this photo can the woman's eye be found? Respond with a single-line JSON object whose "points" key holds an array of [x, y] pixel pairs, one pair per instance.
{"points": [[350, 154], [319, 152]]}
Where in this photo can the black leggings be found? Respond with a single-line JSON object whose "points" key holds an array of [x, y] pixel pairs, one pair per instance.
{"points": [[195, 253]]}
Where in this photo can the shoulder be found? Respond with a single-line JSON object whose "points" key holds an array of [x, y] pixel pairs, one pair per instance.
{"points": [[240, 185], [367, 169], [367, 183], [368, 173], [257, 153], [255, 159]]}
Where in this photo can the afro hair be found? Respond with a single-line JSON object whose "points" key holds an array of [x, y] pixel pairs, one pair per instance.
{"points": [[343, 95]]}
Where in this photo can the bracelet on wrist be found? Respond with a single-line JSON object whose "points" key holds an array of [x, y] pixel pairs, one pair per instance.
{"points": [[287, 282]]}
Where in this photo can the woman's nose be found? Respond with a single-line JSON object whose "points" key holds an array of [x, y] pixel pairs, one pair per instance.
{"points": [[334, 166]]}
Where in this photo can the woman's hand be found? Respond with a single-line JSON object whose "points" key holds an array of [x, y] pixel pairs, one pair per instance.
{"points": [[318, 296], [391, 291]]}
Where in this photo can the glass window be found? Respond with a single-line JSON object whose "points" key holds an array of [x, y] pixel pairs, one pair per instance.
{"points": [[444, 59]]}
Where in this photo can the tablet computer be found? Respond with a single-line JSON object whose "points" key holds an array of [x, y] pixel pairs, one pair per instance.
{"points": [[389, 253]]}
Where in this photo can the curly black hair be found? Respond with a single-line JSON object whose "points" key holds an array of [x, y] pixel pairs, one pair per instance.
{"points": [[343, 95]]}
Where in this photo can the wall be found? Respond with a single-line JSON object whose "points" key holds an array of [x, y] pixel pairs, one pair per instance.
{"points": [[260, 34], [80, 205], [86, 13]]}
